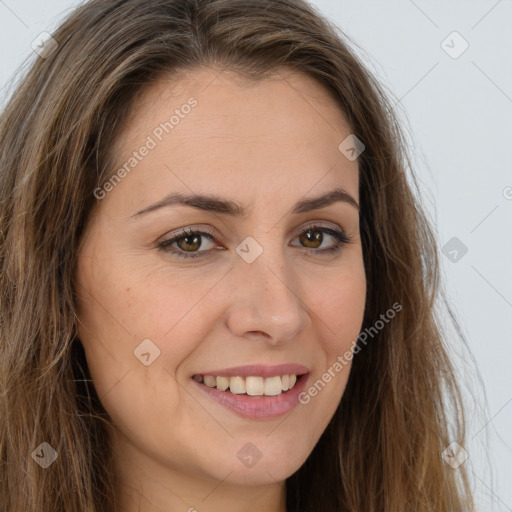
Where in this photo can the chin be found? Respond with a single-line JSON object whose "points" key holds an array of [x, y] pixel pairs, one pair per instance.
{"points": [[259, 462]]}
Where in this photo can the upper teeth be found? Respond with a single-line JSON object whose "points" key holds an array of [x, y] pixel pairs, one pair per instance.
{"points": [[255, 386]]}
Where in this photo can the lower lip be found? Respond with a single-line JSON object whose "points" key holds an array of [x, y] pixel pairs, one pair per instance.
{"points": [[257, 407]]}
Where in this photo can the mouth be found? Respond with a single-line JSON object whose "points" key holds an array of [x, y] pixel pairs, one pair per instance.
{"points": [[252, 385], [255, 392]]}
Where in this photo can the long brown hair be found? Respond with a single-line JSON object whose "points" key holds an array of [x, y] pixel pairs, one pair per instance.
{"points": [[402, 406]]}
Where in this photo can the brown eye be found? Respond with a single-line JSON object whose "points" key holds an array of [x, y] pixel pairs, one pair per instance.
{"points": [[188, 243], [313, 237], [310, 238]]}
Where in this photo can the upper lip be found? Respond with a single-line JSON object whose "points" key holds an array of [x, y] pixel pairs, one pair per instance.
{"points": [[258, 370]]}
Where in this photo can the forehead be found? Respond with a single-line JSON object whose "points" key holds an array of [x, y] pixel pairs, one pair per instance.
{"points": [[279, 134]]}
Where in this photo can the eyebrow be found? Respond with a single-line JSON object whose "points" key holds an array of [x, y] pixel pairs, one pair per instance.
{"points": [[224, 206]]}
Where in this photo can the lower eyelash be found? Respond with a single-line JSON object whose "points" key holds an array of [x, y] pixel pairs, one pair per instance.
{"points": [[341, 236]]}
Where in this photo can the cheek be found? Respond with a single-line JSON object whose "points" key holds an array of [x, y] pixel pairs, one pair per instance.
{"points": [[128, 311], [338, 309], [339, 306]]}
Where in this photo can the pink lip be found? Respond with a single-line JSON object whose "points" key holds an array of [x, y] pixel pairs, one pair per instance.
{"points": [[258, 370], [257, 407]]}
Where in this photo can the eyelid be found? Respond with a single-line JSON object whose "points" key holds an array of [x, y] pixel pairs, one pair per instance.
{"points": [[185, 231], [321, 224]]}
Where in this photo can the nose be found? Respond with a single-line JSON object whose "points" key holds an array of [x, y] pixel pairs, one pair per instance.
{"points": [[266, 301]]}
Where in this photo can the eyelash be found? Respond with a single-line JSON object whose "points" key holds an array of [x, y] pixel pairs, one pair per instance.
{"points": [[341, 236]]}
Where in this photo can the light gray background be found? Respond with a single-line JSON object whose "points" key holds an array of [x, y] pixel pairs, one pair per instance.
{"points": [[458, 112]]}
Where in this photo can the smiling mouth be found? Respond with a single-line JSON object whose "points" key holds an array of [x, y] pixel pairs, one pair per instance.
{"points": [[250, 385]]}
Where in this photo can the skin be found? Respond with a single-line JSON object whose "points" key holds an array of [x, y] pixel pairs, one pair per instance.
{"points": [[266, 146]]}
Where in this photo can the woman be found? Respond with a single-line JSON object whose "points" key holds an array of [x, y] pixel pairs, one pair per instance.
{"points": [[218, 287]]}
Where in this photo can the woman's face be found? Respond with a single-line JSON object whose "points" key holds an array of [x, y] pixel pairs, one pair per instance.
{"points": [[256, 294]]}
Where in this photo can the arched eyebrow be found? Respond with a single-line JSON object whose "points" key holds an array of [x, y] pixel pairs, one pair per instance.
{"points": [[223, 206]]}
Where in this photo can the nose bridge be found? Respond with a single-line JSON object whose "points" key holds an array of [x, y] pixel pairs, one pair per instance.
{"points": [[267, 299]]}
